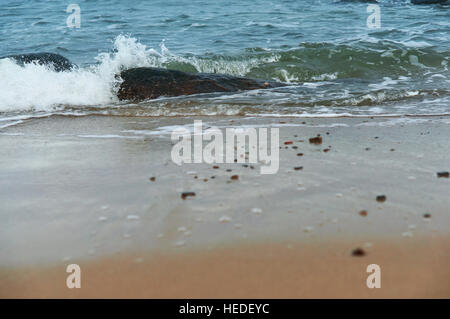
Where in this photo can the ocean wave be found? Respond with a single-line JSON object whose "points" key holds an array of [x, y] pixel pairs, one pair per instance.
{"points": [[38, 88]]}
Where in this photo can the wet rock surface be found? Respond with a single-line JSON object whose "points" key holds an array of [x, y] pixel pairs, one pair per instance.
{"points": [[150, 83]]}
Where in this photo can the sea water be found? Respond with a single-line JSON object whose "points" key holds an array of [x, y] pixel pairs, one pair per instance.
{"points": [[336, 62]]}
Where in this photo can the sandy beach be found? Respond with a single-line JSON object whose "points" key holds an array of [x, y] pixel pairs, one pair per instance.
{"points": [[103, 192]]}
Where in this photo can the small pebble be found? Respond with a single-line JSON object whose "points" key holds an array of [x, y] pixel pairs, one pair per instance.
{"points": [[443, 174], [234, 177], [298, 168], [427, 215], [184, 195], [381, 198], [358, 252], [363, 213], [315, 140], [153, 178]]}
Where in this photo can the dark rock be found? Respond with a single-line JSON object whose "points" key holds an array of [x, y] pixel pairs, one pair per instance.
{"points": [[58, 62], [427, 1], [184, 195], [235, 177], [443, 174], [315, 140], [151, 83], [381, 198], [358, 252]]}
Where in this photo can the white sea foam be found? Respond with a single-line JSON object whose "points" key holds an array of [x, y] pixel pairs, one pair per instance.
{"points": [[39, 88]]}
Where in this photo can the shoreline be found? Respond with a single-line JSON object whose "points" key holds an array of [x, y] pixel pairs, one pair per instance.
{"points": [[102, 192]]}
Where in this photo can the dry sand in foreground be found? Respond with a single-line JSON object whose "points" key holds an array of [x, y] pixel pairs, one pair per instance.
{"points": [[411, 269]]}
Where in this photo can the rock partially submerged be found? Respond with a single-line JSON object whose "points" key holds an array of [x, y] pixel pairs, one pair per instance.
{"points": [[58, 62], [427, 1], [150, 83]]}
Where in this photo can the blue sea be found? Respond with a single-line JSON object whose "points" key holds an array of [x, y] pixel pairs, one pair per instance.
{"points": [[335, 62]]}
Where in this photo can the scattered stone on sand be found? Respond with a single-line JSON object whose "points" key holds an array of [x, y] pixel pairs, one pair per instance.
{"points": [[358, 252], [225, 219], [153, 178], [316, 140], [363, 213], [216, 166], [185, 195], [427, 215], [288, 143], [298, 168], [235, 177], [299, 154], [381, 198], [443, 174]]}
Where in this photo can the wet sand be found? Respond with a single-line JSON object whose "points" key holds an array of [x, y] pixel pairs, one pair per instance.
{"points": [[79, 190]]}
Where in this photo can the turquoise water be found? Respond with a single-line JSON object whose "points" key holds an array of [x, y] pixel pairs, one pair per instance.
{"points": [[335, 64]]}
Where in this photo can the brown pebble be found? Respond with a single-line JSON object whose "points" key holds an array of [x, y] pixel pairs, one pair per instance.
{"points": [[442, 174], [195, 176], [326, 150], [282, 122], [215, 166], [315, 140], [298, 168], [358, 252], [363, 213], [153, 178], [184, 195], [288, 142], [205, 179], [299, 154], [427, 215], [381, 198], [234, 177]]}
